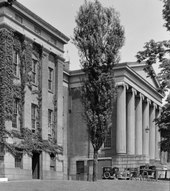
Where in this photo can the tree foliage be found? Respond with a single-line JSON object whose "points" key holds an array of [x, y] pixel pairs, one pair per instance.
{"points": [[164, 125], [159, 52], [98, 37]]}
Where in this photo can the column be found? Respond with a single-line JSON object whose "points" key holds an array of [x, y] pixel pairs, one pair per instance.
{"points": [[59, 99], [145, 133], [157, 138], [152, 132], [131, 122], [121, 120], [138, 125]]}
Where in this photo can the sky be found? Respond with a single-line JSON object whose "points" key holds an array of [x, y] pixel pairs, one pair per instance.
{"points": [[142, 21]]}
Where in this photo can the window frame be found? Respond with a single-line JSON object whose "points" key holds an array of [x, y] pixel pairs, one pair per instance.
{"points": [[34, 71], [16, 64], [15, 113], [50, 79], [37, 30], [34, 108], [108, 138], [19, 161], [50, 121], [80, 167], [52, 162]]}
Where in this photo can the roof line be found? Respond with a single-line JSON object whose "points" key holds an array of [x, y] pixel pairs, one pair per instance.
{"points": [[43, 22]]}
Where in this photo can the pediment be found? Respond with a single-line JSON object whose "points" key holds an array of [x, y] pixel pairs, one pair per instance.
{"points": [[139, 69]]}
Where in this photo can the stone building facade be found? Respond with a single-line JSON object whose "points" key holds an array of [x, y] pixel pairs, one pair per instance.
{"points": [[31, 93], [38, 93], [134, 138]]}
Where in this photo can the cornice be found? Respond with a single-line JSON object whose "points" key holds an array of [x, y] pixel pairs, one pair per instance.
{"points": [[123, 73], [126, 67], [18, 7]]}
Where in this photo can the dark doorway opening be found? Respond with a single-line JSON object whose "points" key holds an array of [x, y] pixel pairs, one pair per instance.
{"points": [[36, 166]]}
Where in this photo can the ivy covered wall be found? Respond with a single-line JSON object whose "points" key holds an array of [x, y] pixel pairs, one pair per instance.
{"points": [[11, 41]]}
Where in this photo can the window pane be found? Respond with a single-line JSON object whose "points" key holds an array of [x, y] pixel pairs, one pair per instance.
{"points": [[50, 121], [33, 116], [18, 161], [15, 113], [80, 167], [52, 162], [107, 142], [37, 30], [34, 71], [50, 78], [16, 63]]}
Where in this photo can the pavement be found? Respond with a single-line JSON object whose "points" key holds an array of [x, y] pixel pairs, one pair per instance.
{"points": [[100, 185]]}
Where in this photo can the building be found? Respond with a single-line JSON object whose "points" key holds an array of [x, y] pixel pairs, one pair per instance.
{"points": [[41, 121], [31, 91], [133, 139]]}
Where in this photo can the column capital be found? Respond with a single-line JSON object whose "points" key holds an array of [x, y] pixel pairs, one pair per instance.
{"points": [[148, 100], [122, 84], [155, 105], [134, 91], [141, 96]]}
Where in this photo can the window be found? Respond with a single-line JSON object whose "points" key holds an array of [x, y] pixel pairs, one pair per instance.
{"points": [[15, 113], [33, 116], [80, 167], [53, 41], [52, 162], [50, 121], [34, 71], [107, 142], [18, 161], [18, 18], [37, 30], [50, 79], [16, 68]]}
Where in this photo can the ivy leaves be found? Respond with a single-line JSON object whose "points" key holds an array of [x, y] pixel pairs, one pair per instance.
{"points": [[28, 142]]}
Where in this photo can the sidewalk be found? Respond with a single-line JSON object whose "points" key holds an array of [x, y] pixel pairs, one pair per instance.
{"points": [[101, 185]]}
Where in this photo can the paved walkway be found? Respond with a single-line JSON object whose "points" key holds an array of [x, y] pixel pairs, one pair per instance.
{"points": [[101, 185]]}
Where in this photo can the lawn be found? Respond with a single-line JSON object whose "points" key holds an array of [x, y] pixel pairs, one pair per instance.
{"points": [[102, 185]]}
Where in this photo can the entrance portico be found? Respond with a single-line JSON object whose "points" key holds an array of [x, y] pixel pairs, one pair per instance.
{"points": [[136, 133]]}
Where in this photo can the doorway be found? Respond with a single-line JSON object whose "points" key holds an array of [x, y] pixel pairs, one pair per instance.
{"points": [[36, 166]]}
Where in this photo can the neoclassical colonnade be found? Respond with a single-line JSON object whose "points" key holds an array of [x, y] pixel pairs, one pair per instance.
{"points": [[136, 133]]}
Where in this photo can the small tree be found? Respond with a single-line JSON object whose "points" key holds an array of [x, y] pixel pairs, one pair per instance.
{"points": [[98, 37], [159, 52]]}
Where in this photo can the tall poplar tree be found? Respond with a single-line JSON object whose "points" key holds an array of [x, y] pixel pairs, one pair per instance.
{"points": [[159, 53], [98, 36]]}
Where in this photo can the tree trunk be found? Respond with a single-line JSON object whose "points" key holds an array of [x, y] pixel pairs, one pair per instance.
{"points": [[95, 166]]}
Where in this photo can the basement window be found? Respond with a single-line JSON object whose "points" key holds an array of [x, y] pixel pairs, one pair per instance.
{"points": [[18, 161], [52, 162]]}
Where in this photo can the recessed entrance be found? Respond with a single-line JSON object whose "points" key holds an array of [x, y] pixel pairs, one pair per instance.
{"points": [[36, 166]]}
